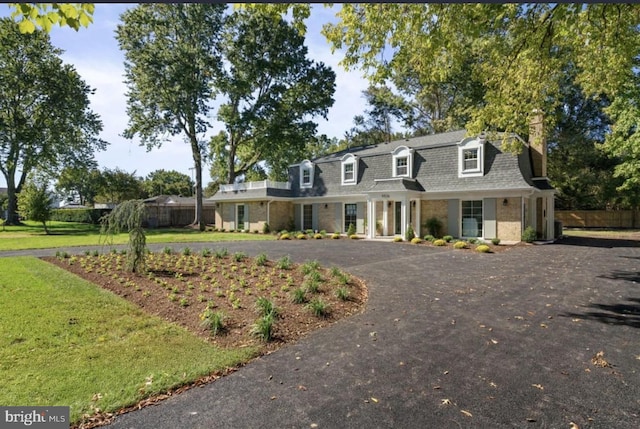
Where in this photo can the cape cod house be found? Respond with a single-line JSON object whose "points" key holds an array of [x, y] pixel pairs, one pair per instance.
{"points": [[468, 183]]}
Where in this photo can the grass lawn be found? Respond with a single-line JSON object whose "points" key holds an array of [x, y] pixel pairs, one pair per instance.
{"points": [[67, 342], [66, 234]]}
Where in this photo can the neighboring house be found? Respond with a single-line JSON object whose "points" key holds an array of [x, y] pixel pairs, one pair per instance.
{"points": [[172, 210], [468, 183]]}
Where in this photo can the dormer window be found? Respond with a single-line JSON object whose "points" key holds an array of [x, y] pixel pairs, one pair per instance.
{"points": [[471, 157], [349, 169], [402, 162], [306, 174]]}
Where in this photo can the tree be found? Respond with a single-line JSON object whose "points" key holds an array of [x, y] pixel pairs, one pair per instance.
{"points": [[46, 15], [45, 120], [163, 182], [34, 202], [171, 62], [517, 50], [128, 216], [273, 91], [117, 186], [80, 183]]}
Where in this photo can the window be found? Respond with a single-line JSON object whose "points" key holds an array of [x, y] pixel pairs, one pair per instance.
{"points": [[350, 215], [401, 166], [471, 157], [306, 174], [240, 217], [402, 162], [307, 217], [349, 169], [472, 218]]}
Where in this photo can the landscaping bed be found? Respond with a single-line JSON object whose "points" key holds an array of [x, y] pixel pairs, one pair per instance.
{"points": [[195, 290]]}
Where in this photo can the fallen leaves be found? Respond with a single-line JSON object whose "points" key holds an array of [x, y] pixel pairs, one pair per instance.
{"points": [[538, 386], [466, 413], [445, 402], [599, 360]]}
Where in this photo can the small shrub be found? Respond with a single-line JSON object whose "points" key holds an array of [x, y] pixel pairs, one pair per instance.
{"points": [[255, 231], [261, 259], [167, 250], [213, 321], [416, 240], [284, 263], [460, 245], [351, 230], [483, 248], [344, 279], [318, 307], [285, 236], [397, 239], [342, 293], [410, 233], [495, 241], [309, 267], [473, 241], [335, 272], [318, 236], [206, 252], [335, 236], [323, 233], [301, 236], [311, 285], [263, 328], [439, 242], [529, 235], [221, 253], [239, 256], [429, 238], [265, 228], [266, 307], [447, 238], [186, 251], [309, 232], [299, 296], [434, 225], [184, 302]]}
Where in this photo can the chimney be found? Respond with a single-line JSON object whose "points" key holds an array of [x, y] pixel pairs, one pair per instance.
{"points": [[538, 144]]}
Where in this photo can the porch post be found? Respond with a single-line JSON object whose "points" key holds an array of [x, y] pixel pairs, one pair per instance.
{"points": [[404, 215], [416, 228], [385, 217]]}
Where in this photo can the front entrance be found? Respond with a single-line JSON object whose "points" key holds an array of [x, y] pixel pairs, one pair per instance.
{"points": [[398, 218]]}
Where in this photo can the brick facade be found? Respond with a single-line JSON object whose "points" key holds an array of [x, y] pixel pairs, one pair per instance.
{"points": [[509, 219]]}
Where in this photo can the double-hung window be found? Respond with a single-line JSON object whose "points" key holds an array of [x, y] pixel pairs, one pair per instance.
{"points": [[306, 174], [471, 157], [402, 162], [349, 169]]}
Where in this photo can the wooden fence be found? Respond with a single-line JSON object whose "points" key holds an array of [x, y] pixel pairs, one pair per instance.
{"points": [[158, 216], [598, 218]]}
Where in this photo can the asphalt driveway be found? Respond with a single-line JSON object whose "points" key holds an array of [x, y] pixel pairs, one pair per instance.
{"points": [[449, 339]]}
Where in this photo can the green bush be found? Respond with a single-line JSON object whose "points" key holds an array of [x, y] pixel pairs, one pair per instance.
{"points": [[213, 321], [416, 240], [354, 237], [78, 215], [472, 240], [335, 236], [301, 236], [318, 307], [318, 236], [529, 235], [439, 242], [434, 225], [285, 236], [483, 248], [342, 293], [495, 241], [397, 239], [447, 238], [263, 328], [265, 228], [429, 238], [351, 231], [410, 233], [460, 245]]}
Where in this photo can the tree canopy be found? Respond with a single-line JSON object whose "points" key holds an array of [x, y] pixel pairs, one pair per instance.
{"points": [[34, 201], [272, 90], [167, 182], [45, 119], [171, 63], [45, 15]]}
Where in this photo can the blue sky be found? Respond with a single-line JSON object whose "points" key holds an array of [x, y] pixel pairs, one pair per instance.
{"points": [[96, 56]]}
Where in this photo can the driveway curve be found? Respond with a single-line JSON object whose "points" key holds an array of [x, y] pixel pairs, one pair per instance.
{"points": [[449, 339]]}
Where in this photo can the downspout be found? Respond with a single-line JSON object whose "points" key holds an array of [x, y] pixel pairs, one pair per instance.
{"points": [[268, 213]]}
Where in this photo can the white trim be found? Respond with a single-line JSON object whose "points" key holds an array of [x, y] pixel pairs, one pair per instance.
{"points": [[466, 145], [399, 153], [481, 236], [306, 166], [349, 159]]}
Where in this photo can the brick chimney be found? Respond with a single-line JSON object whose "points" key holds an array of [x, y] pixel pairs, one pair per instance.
{"points": [[538, 144]]}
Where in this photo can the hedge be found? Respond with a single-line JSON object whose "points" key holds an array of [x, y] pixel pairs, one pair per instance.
{"points": [[78, 215]]}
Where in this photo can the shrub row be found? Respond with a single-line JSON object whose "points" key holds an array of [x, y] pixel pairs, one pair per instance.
{"points": [[78, 215]]}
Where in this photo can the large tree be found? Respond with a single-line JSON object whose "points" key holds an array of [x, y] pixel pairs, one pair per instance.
{"points": [[79, 183], [171, 62], [167, 182], [45, 119], [45, 15], [273, 91], [116, 186], [517, 51]]}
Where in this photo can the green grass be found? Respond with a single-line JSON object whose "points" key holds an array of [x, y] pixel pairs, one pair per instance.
{"points": [[67, 342], [66, 234]]}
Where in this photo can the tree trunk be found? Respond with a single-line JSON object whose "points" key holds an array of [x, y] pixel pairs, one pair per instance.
{"points": [[197, 163], [12, 207], [46, 231]]}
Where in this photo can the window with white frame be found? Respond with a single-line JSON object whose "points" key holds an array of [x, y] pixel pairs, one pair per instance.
{"points": [[349, 169], [306, 174], [241, 217], [471, 218], [471, 157], [402, 162]]}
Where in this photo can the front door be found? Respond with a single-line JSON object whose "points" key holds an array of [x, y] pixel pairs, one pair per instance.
{"points": [[398, 218]]}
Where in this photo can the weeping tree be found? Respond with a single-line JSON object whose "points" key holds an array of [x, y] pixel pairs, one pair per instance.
{"points": [[128, 216]]}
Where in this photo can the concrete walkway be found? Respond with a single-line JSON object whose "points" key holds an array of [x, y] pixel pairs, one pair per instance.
{"points": [[449, 339]]}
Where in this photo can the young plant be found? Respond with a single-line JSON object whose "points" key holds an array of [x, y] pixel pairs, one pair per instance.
{"points": [[460, 245], [213, 321], [239, 256], [318, 307], [309, 266], [284, 263], [266, 307], [495, 241], [263, 328], [483, 248], [342, 293], [299, 296], [261, 259]]}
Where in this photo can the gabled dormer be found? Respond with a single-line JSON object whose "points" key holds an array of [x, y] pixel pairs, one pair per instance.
{"points": [[349, 169], [402, 162], [471, 157], [306, 174]]}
